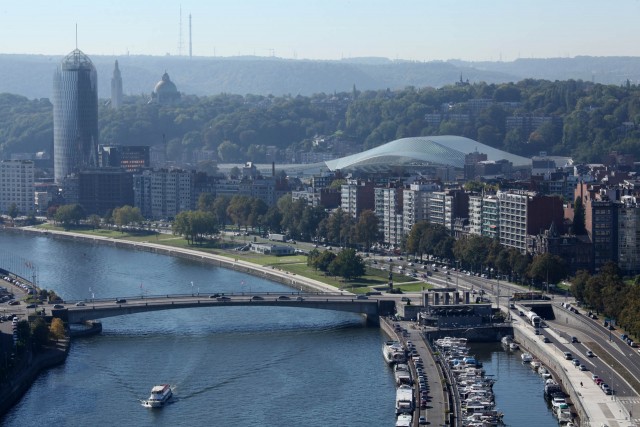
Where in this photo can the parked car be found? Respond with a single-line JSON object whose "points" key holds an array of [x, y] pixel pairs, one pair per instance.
{"points": [[58, 306], [589, 353]]}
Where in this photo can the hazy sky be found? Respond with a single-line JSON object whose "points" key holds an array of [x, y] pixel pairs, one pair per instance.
{"points": [[420, 30]]}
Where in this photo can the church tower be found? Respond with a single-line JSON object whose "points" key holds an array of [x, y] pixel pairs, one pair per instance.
{"points": [[116, 88]]}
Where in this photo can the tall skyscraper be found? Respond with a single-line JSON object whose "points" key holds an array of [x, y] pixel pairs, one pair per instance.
{"points": [[116, 88], [75, 115]]}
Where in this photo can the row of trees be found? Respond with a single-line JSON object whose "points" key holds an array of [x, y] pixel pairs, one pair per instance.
{"points": [[608, 294], [483, 254], [292, 217]]}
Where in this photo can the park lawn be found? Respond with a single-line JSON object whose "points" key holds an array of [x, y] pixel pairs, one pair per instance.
{"points": [[413, 287]]}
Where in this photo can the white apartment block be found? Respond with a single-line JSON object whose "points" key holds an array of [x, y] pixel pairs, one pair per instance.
{"points": [[416, 204], [513, 219], [490, 220], [475, 215], [389, 212], [17, 186], [170, 193]]}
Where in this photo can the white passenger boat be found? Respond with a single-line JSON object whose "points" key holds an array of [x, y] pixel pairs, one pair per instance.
{"points": [[160, 395], [393, 352], [526, 357]]}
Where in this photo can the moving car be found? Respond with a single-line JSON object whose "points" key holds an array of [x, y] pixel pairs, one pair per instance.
{"points": [[118, 301]]}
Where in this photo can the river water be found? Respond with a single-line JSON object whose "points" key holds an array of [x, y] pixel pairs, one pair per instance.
{"points": [[264, 366]]}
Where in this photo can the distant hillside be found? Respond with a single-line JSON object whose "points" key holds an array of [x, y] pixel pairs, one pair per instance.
{"points": [[31, 75]]}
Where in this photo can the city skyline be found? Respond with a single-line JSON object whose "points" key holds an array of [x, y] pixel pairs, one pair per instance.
{"points": [[422, 31]]}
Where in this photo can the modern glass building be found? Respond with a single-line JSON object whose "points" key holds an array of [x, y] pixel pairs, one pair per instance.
{"points": [[75, 115]]}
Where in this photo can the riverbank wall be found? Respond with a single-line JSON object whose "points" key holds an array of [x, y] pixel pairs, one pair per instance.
{"points": [[12, 392]]}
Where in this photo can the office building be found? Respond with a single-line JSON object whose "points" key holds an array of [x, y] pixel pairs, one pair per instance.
{"points": [[75, 115], [104, 189]]}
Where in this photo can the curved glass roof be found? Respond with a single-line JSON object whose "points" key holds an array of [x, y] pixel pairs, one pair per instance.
{"points": [[446, 150]]}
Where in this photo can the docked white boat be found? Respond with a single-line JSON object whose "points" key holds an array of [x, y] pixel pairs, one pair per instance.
{"points": [[513, 346], [393, 352], [536, 365], [526, 357], [160, 395], [404, 420]]}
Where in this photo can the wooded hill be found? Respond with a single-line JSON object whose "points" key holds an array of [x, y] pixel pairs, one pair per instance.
{"points": [[582, 119]]}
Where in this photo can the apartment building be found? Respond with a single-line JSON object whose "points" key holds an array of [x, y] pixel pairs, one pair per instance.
{"points": [[17, 186]]}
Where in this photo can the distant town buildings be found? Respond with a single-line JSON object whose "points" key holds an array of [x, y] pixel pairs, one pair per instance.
{"points": [[75, 115]]}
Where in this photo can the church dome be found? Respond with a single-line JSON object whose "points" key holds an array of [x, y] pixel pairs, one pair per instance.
{"points": [[165, 85], [165, 91]]}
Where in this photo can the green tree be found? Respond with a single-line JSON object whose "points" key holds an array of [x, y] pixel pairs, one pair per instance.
{"points": [[579, 218], [95, 221], [13, 211], [347, 264], [39, 333], [366, 229], [69, 214], [548, 268], [206, 202], [127, 215]]}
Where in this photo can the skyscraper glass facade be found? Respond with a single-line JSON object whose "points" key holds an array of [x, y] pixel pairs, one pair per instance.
{"points": [[75, 115]]}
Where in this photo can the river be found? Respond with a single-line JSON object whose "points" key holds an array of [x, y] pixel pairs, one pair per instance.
{"points": [[230, 366]]}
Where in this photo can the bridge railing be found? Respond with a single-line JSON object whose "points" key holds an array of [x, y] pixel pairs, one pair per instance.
{"points": [[204, 295]]}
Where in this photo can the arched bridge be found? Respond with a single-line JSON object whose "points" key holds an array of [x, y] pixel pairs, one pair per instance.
{"points": [[82, 311]]}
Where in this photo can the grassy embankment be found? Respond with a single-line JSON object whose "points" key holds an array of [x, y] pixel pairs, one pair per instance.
{"points": [[296, 264]]}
